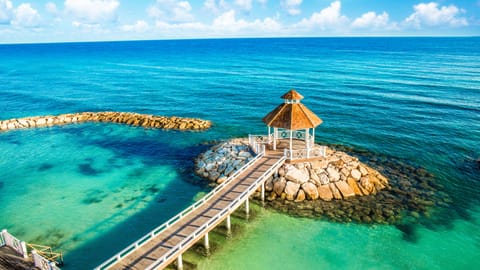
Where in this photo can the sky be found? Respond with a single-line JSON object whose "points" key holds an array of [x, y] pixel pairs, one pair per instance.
{"points": [[38, 21]]}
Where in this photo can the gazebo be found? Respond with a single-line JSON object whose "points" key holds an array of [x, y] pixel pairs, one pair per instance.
{"points": [[292, 121]]}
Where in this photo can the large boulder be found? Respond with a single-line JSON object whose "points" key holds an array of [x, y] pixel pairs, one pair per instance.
{"points": [[345, 189], [291, 190], [295, 175], [279, 187], [333, 174], [356, 174], [325, 193], [300, 196], [336, 193], [310, 190], [354, 186]]}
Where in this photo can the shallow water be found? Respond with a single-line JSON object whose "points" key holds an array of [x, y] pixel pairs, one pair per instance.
{"points": [[92, 189]]}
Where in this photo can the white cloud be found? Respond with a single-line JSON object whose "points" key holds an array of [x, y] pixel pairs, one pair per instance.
{"points": [[244, 4], [171, 11], [430, 14], [6, 11], [92, 11], [292, 6], [139, 26], [51, 8], [226, 24], [329, 18], [26, 16], [215, 7], [371, 20]]}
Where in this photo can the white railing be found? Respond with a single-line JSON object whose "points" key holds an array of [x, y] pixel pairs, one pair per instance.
{"points": [[257, 142], [214, 220], [42, 263], [137, 244], [319, 151], [9, 240]]}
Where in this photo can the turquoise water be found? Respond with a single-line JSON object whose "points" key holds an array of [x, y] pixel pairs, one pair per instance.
{"points": [[92, 189]]}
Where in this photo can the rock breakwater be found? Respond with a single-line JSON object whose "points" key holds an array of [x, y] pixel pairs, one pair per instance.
{"points": [[337, 176], [134, 119], [340, 187]]}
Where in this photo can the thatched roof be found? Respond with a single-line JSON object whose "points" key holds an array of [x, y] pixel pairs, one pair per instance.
{"points": [[292, 94], [292, 116]]}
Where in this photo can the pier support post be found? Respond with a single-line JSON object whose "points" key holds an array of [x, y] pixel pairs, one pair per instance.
{"points": [[247, 208], [229, 226], [179, 262], [263, 192], [206, 244]]}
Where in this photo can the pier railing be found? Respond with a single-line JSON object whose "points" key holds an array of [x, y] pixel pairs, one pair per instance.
{"points": [[42, 263], [6, 239], [139, 243], [257, 142], [218, 217], [319, 151]]}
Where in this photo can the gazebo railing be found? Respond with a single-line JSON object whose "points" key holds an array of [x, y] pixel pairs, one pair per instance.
{"points": [[257, 143], [319, 151]]}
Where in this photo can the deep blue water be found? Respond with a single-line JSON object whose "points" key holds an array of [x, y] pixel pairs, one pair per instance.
{"points": [[415, 99]]}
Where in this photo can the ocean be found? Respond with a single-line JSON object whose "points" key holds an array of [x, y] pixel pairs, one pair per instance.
{"points": [[92, 189]]}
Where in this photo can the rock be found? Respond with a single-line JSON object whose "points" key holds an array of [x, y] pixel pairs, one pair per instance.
{"points": [[336, 193], [363, 171], [356, 174], [367, 186], [279, 187], [221, 179], [244, 154], [313, 175], [291, 190], [325, 193], [324, 179], [344, 172], [310, 191], [295, 175], [345, 189], [353, 184], [300, 196], [319, 164], [269, 185], [333, 174], [281, 171]]}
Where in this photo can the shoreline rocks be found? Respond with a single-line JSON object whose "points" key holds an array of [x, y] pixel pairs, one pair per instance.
{"points": [[337, 187], [344, 175], [134, 119]]}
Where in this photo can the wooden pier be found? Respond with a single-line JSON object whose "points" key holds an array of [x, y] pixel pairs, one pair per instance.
{"points": [[167, 242]]}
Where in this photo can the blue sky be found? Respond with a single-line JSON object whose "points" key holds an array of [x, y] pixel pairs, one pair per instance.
{"points": [[96, 20]]}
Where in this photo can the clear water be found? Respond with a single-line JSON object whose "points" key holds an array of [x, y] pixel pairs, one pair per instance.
{"points": [[91, 189]]}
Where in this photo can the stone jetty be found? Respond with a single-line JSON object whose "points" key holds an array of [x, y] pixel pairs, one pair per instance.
{"points": [[338, 187], [134, 119], [337, 176]]}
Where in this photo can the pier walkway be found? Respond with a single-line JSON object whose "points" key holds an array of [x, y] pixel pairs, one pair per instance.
{"points": [[167, 242]]}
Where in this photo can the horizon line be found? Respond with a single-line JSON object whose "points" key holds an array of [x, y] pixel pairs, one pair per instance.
{"points": [[239, 37]]}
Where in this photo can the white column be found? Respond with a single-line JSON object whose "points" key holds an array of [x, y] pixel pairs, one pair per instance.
{"points": [[179, 262], [206, 242], [229, 225], [269, 135], [291, 145], [275, 134], [247, 207], [313, 135], [307, 141], [263, 191], [24, 249]]}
